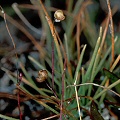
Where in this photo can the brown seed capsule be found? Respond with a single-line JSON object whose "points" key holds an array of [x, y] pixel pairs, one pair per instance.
{"points": [[59, 16], [42, 76]]}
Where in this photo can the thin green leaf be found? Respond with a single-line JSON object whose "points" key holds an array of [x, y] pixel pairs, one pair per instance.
{"points": [[7, 118], [112, 78]]}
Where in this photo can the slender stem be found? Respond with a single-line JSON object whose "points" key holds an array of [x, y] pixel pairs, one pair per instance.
{"points": [[18, 95], [14, 46], [77, 98], [52, 29], [63, 89], [105, 88], [78, 35], [111, 29], [53, 65]]}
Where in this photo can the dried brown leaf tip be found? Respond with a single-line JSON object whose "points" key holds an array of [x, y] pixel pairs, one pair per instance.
{"points": [[59, 16], [42, 76]]}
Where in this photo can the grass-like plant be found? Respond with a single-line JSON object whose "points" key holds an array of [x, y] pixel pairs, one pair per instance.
{"points": [[73, 85]]}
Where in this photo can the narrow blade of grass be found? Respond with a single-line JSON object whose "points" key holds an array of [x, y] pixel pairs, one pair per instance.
{"points": [[7, 118]]}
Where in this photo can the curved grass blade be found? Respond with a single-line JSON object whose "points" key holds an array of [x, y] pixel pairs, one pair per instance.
{"points": [[7, 118], [112, 78]]}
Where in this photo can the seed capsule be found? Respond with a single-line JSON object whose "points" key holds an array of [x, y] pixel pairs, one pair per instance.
{"points": [[42, 76], [59, 16]]}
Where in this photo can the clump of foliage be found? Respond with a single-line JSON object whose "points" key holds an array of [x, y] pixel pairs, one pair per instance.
{"points": [[74, 87]]}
